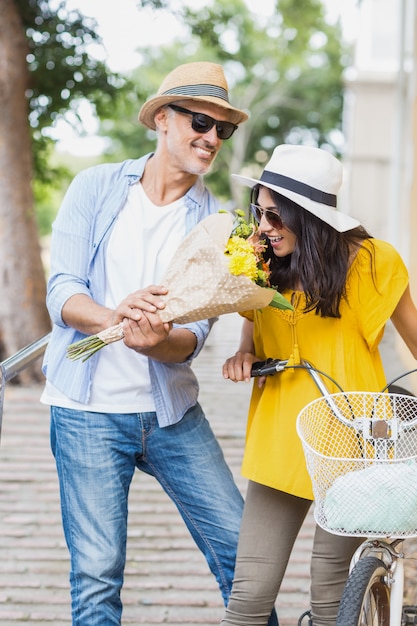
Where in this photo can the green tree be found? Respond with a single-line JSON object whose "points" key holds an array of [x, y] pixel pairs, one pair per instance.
{"points": [[288, 73], [45, 68]]}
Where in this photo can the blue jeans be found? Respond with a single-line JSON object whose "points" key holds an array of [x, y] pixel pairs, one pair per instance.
{"points": [[96, 455]]}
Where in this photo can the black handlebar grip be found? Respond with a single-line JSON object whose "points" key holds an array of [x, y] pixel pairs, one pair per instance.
{"points": [[264, 368]]}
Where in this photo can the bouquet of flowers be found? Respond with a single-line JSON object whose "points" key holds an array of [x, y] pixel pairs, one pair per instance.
{"points": [[217, 269]]}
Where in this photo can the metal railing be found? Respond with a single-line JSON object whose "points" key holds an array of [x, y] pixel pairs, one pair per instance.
{"points": [[11, 367]]}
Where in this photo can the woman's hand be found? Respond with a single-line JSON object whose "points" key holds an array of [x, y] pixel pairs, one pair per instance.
{"points": [[238, 367]]}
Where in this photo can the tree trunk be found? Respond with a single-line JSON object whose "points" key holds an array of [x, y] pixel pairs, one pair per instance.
{"points": [[23, 314]]}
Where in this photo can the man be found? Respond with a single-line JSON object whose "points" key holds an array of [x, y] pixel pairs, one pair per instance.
{"points": [[135, 404]]}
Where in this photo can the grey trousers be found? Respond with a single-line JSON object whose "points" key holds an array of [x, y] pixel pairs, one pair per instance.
{"points": [[270, 524]]}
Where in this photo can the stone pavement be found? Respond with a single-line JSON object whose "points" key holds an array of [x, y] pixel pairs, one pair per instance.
{"points": [[167, 580]]}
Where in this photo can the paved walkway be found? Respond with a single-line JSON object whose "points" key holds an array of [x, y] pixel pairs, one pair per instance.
{"points": [[167, 580]]}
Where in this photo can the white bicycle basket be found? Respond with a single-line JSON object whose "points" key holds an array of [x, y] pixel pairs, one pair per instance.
{"points": [[361, 454]]}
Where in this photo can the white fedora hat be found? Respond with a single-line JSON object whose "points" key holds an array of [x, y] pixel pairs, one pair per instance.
{"points": [[310, 177], [201, 81]]}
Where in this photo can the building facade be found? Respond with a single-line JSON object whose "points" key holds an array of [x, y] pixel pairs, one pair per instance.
{"points": [[380, 123]]}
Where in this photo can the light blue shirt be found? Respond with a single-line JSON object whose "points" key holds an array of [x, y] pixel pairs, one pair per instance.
{"points": [[80, 235]]}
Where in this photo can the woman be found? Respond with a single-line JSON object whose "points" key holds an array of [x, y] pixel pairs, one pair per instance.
{"points": [[344, 286]]}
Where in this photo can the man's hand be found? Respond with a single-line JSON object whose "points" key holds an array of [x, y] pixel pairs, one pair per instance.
{"points": [[145, 331], [136, 304]]}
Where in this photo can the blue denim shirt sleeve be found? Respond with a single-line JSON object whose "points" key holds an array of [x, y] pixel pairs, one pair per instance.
{"points": [[71, 246], [79, 238]]}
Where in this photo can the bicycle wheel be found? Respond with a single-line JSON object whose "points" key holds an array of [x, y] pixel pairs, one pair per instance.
{"points": [[366, 598]]}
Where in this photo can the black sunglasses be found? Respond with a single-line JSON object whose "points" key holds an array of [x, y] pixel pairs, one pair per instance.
{"points": [[272, 217], [202, 123]]}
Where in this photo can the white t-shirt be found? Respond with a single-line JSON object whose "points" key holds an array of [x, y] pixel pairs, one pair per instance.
{"points": [[141, 246]]}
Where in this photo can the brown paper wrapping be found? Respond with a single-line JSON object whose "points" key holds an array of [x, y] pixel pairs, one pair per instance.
{"points": [[199, 283]]}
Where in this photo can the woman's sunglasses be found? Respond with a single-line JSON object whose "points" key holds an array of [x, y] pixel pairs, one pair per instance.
{"points": [[272, 217], [202, 123]]}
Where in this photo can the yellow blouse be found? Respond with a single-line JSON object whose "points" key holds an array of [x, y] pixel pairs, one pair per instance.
{"points": [[346, 348]]}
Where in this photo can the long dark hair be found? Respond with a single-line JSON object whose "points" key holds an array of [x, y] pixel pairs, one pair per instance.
{"points": [[320, 260]]}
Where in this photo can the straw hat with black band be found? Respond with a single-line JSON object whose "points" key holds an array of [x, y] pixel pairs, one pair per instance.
{"points": [[200, 82], [310, 177]]}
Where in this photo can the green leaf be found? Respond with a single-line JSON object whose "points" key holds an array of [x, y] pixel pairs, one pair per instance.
{"points": [[279, 302]]}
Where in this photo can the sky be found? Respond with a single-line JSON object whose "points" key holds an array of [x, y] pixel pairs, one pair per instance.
{"points": [[123, 30], [146, 27], [142, 27]]}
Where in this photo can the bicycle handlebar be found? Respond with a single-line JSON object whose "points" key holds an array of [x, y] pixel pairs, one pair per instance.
{"points": [[270, 367], [273, 366]]}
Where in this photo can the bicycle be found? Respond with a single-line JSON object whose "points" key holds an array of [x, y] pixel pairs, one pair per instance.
{"points": [[353, 441]]}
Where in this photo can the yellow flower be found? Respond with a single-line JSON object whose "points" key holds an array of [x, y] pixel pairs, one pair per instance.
{"points": [[242, 258], [245, 250]]}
